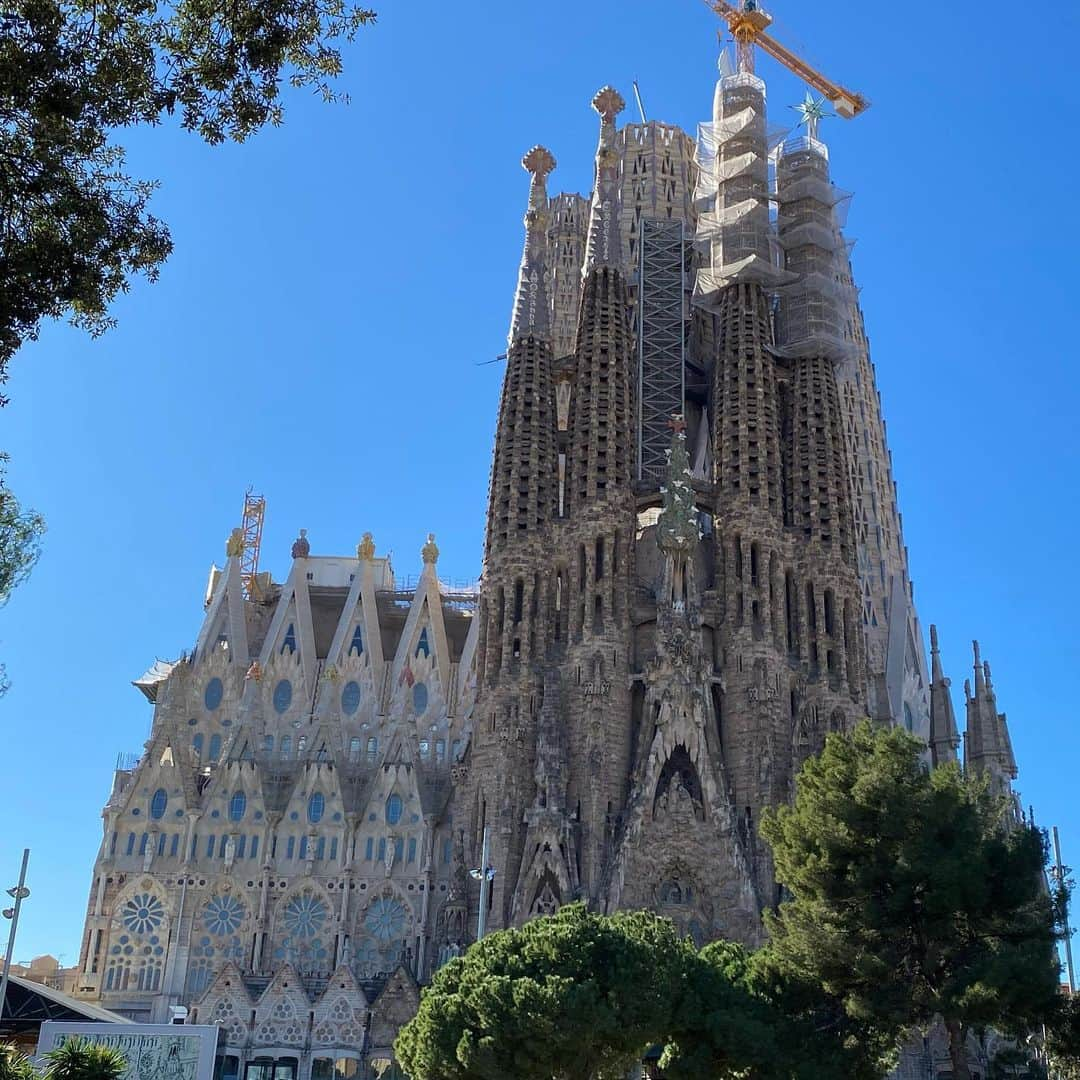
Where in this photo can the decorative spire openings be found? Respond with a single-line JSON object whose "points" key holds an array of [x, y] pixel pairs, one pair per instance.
{"points": [[944, 737], [601, 407], [532, 304], [604, 247], [524, 472], [987, 745]]}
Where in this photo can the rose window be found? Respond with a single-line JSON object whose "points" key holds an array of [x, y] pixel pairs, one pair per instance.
{"points": [[304, 915], [223, 915], [143, 913], [385, 918]]}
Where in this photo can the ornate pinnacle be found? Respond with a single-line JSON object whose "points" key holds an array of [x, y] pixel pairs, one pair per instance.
{"points": [[539, 162], [608, 103], [254, 672], [430, 550], [365, 550], [234, 546], [531, 304], [301, 549]]}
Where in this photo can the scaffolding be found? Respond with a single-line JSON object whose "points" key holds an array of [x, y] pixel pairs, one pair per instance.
{"points": [[661, 341]]}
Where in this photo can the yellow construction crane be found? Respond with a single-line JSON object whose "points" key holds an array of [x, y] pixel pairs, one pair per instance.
{"points": [[254, 512], [748, 23]]}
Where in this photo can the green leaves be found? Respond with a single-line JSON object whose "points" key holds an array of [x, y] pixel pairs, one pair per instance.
{"points": [[74, 226], [80, 1059], [914, 894], [583, 997]]}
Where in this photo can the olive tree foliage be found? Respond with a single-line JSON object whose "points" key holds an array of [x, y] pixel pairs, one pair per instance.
{"points": [[20, 545], [914, 894], [74, 225]]}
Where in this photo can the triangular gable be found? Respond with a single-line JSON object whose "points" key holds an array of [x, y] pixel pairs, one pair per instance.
{"points": [[225, 618], [393, 1008], [360, 611], [340, 1012], [291, 630], [281, 1013], [227, 1005], [423, 647]]}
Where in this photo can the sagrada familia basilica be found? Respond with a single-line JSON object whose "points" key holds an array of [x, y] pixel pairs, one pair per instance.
{"points": [[694, 571]]}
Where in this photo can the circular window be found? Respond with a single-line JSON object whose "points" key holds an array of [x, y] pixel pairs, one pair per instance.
{"points": [[350, 698], [394, 808], [385, 918], [223, 915], [315, 807], [143, 914], [213, 693], [420, 698], [158, 804], [282, 696], [237, 806], [304, 915]]}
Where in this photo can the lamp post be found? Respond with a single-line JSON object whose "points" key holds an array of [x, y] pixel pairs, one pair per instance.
{"points": [[19, 893], [486, 874]]}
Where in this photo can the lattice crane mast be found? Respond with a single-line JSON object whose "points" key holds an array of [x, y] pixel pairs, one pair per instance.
{"points": [[748, 23], [254, 512]]}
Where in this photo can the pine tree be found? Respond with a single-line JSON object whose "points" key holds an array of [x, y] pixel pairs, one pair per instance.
{"points": [[914, 894]]}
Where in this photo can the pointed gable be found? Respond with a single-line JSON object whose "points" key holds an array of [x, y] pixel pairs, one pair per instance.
{"points": [[291, 633], [423, 654], [227, 1005], [283, 1011], [393, 1008], [340, 1012], [225, 621]]}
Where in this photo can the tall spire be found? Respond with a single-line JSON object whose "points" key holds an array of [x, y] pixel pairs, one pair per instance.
{"points": [[532, 303], [944, 736], [987, 746], [604, 247]]}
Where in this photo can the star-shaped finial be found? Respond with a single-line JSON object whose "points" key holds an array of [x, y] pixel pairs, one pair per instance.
{"points": [[811, 112]]}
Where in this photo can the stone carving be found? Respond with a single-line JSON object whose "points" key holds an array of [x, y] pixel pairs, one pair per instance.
{"points": [[301, 548]]}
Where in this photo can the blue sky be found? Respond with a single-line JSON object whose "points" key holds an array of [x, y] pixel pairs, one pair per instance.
{"points": [[336, 282]]}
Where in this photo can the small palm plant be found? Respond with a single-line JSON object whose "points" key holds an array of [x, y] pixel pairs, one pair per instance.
{"points": [[79, 1059], [15, 1065]]}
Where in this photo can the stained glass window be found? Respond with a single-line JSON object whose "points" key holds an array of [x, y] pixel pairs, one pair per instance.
{"points": [[213, 694], [394, 807], [143, 913], [215, 747], [237, 806], [420, 698], [158, 804], [304, 915], [223, 915], [282, 696], [350, 698], [385, 919], [315, 807]]}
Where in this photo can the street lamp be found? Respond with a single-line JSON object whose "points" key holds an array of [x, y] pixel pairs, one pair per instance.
{"points": [[19, 893], [486, 875]]}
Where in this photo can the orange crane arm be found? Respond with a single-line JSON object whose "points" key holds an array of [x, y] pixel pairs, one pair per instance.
{"points": [[748, 27]]}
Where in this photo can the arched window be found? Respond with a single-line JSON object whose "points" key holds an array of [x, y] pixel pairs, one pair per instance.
{"points": [[215, 747], [286, 745], [315, 807], [394, 807], [354, 749], [356, 646], [237, 806], [197, 745], [158, 804]]}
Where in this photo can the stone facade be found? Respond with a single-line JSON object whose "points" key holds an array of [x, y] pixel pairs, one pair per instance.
{"points": [[641, 672]]}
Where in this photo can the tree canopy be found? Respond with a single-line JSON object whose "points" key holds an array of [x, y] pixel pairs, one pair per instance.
{"points": [[913, 894], [74, 226], [584, 996]]}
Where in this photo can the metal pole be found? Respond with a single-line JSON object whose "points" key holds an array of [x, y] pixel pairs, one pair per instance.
{"points": [[20, 892], [1065, 917], [485, 884]]}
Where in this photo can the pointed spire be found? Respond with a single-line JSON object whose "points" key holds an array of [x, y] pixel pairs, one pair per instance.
{"points": [[532, 306], [988, 746], [604, 247], [944, 734]]}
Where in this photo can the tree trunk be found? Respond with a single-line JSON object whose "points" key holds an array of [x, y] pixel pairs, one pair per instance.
{"points": [[958, 1049]]}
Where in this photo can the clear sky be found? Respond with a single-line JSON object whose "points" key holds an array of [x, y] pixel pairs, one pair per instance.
{"points": [[336, 282]]}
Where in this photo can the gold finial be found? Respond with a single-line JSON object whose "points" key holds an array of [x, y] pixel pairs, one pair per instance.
{"points": [[430, 550], [234, 546], [254, 672], [366, 548], [331, 673]]}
